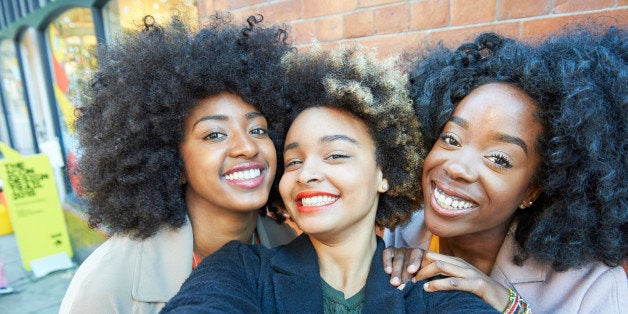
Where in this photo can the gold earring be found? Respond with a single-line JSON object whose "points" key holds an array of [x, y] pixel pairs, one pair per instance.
{"points": [[521, 206]]}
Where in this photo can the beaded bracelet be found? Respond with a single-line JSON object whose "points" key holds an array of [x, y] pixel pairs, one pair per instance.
{"points": [[516, 304]]}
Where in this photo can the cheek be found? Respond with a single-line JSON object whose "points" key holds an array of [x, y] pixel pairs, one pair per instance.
{"points": [[284, 188]]}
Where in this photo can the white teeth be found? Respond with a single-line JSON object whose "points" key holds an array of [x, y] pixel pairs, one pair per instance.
{"points": [[451, 202], [318, 200], [244, 174]]}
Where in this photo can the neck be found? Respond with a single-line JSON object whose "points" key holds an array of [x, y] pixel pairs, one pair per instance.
{"points": [[479, 250], [345, 264], [213, 228]]}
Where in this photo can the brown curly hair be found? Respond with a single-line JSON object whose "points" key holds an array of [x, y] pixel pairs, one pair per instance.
{"points": [[376, 92], [147, 83]]}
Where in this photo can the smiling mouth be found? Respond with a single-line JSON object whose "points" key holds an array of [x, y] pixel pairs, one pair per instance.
{"points": [[319, 200], [248, 174], [451, 202]]}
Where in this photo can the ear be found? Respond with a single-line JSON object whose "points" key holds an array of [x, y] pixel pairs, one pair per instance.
{"points": [[382, 183], [533, 192]]}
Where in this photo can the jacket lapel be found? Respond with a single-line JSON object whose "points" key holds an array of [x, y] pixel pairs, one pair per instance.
{"points": [[296, 278]]}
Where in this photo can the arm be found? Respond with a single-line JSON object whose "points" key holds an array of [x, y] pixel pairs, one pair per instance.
{"points": [[225, 281]]}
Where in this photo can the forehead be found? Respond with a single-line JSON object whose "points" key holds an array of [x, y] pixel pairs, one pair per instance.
{"points": [[500, 105], [312, 123], [223, 104]]}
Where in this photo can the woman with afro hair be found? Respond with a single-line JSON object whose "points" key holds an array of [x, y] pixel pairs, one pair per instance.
{"points": [[177, 157], [525, 186], [350, 163]]}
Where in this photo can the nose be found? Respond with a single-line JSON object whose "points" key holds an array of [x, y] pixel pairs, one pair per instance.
{"points": [[309, 172], [243, 145], [461, 167]]}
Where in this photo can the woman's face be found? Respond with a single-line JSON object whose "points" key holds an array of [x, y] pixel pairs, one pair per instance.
{"points": [[481, 168], [331, 181], [229, 159]]}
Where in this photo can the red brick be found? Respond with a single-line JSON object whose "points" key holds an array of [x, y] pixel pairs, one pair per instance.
{"points": [[314, 8], [539, 29], [621, 3], [429, 14], [284, 11], [221, 5], [358, 24], [392, 19], [371, 3], [238, 4], [514, 9], [452, 38], [464, 12], [205, 8], [329, 28], [394, 45], [566, 6], [328, 45], [303, 32]]}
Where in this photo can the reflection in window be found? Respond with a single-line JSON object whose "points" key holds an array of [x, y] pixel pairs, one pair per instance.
{"points": [[122, 15], [72, 45], [13, 93]]}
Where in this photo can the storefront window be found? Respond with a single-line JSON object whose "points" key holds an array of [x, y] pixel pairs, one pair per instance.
{"points": [[122, 15], [72, 45], [13, 94]]}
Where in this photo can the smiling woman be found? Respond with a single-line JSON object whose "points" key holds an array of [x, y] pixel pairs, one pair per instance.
{"points": [[178, 157], [350, 163], [525, 184]]}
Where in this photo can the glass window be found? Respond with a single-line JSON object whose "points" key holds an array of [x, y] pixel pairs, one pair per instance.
{"points": [[122, 15], [13, 94], [71, 46]]}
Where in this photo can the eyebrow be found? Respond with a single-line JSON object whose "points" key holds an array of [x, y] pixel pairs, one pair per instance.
{"points": [[500, 137], [513, 140], [218, 117], [325, 139]]}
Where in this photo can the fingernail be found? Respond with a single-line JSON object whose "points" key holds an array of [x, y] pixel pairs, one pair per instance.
{"points": [[395, 281], [412, 269], [388, 269], [401, 286], [426, 286]]}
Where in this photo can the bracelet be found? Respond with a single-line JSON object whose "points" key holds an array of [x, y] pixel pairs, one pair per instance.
{"points": [[516, 304]]}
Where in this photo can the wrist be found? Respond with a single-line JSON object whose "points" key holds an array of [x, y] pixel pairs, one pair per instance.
{"points": [[516, 304]]}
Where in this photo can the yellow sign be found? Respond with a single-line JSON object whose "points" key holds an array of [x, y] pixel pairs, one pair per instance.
{"points": [[34, 206]]}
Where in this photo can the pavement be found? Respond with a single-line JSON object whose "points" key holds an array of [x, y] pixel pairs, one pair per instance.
{"points": [[30, 295]]}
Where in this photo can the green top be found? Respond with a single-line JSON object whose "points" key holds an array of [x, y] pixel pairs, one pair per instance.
{"points": [[334, 300]]}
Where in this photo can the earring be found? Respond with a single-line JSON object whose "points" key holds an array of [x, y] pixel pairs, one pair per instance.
{"points": [[385, 186], [522, 206]]}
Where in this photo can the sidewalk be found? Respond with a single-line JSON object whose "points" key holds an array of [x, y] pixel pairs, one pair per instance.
{"points": [[30, 295]]}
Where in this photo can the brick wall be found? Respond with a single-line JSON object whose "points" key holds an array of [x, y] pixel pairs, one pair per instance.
{"points": [[391, 26]]}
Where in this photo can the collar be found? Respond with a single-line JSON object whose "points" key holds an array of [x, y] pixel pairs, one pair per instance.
{"points": [[298, 276], [162, 264], [507, 272]]}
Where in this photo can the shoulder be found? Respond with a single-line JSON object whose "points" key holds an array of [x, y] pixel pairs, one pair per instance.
{"points": [[444, 301], [110, 265], [593, 287]]}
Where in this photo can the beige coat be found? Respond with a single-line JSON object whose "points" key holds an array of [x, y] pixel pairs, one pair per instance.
{"points": [[594, 288], [139, 276]]}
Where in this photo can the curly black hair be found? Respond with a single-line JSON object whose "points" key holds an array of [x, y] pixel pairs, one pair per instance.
{"points": [[578, 80], [147, 83], [375, 92]]}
